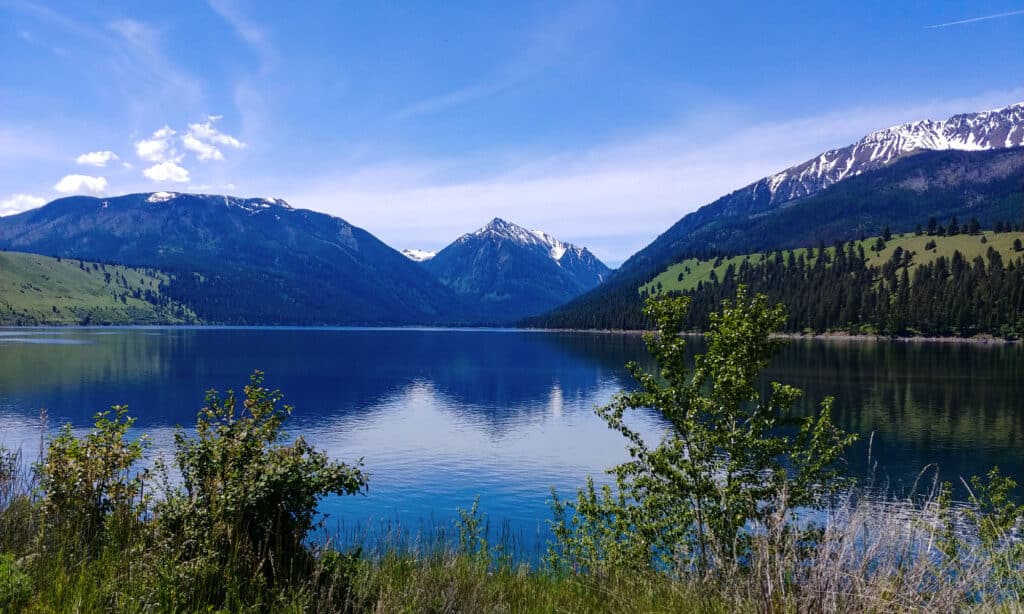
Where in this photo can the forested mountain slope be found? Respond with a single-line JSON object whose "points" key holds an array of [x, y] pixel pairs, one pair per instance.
{"points": [[242, 261]]}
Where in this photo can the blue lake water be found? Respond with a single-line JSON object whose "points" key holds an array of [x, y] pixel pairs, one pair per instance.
{"points": [[440, 417]]}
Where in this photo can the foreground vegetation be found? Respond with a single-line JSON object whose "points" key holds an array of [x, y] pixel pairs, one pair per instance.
{"points": [[741, 506], [37, 290]]}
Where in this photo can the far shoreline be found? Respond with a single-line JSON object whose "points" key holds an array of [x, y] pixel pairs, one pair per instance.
{"points": [[835, 336], [829, 336]]}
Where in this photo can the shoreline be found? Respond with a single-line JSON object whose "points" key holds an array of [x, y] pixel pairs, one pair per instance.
{"points": [[829, 336], [838, 336]]}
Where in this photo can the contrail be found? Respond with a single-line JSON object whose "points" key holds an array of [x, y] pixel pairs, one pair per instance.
{"points": [[974, 19]]}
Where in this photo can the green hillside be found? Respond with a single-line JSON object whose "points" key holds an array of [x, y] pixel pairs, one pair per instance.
{"points": [[38, 289], [686, 275]]}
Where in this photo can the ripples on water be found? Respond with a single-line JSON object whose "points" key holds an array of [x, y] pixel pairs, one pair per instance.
{"points": [[441, 417]]}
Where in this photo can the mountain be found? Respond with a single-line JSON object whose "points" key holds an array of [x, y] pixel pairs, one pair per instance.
{"points": [[241, 260], [968, 165], [512, 272], [999, 129]]}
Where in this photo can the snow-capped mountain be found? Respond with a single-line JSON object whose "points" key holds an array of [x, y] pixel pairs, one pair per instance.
{"points": [[515, 271], [577, 260], [418, 255], [998, 129]]}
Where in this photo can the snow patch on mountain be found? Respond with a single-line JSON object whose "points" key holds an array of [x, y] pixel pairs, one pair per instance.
{"points": [[252, 205], [998, 129], [418, 255], [161, 197]]}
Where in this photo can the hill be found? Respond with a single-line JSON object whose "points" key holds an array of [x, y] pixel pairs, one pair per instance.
{"points": [[38, 290], [241, 261]]}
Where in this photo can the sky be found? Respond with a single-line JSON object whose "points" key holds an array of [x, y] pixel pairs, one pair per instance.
{"points": [[601, 123]]}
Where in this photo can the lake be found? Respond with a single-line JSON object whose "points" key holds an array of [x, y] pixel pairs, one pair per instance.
{"points": [[443, 416]]}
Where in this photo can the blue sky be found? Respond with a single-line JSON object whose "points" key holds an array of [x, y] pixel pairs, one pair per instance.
{"points": [[601, 123]]}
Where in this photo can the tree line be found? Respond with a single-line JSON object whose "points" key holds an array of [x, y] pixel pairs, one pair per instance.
{"points": [[838, 289]]}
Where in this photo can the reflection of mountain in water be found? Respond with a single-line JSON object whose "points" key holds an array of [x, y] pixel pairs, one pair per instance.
{"points": [[498, 377]]}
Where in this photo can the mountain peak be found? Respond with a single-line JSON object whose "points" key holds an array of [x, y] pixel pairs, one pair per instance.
{"points": [[498, 225], [514, 270], [997, 129]]}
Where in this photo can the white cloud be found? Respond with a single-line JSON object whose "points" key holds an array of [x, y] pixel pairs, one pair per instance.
{"points": [[96, 158], [204, 138], [71, 184], [159, 147], [20, 202], [167, 171], [204, 151]]}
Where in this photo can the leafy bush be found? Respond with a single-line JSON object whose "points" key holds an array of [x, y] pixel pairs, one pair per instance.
{"points": [[248, 499], [89, 484], [726, 465]]}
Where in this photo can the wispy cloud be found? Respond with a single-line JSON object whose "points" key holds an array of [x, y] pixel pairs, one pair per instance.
{"points": [[451, 99], [976, 19], [556, 41], [127, 52], [255, 36], [614, 198], [139, 52]]}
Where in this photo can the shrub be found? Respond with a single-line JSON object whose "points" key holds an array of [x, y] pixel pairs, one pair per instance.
{"points": [[88, 484], [248, 499]]}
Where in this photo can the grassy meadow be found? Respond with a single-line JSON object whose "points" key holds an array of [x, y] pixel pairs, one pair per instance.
{"points": [[38, 290], [684, 276]]}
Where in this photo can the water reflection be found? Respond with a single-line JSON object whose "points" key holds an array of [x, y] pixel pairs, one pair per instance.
{"points": [[442, 416]]}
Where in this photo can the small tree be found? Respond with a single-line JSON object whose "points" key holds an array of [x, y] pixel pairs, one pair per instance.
{"points": [[726, 462]]}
